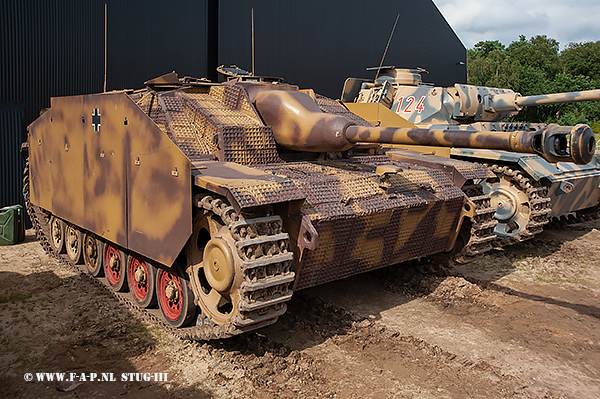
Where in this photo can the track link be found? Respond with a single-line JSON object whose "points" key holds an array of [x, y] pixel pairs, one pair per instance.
{"points": [[583, 215], [482, 234], [268, 272], [266, 265]]}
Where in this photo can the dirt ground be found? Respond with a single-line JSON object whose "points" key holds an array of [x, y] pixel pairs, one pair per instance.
{"points": [[520, 322]]}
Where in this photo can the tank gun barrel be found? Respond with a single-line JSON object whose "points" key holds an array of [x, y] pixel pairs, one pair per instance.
{"points": [[512, 102], [299, 124], [554, 143], [559, 98]]}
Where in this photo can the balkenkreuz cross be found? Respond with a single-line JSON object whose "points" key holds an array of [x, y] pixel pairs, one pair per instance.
{"points": [[96, 120]]}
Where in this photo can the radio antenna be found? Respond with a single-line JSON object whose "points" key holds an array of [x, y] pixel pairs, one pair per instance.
{"points": [[253, 41], [105, 45], [386, 47]]}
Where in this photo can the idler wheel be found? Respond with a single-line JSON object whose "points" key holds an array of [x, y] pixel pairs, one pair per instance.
{"points": [[214, 264], [57, 235], [508, 201], [512, 205], [141, 279], [114, 261], [175, 298], [92, 254], [74, 243]]}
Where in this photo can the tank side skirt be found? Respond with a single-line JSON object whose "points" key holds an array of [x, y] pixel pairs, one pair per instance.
{"points": [[101, 163], [259, 310]]}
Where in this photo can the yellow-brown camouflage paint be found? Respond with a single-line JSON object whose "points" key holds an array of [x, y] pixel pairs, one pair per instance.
{"points": [[450, 106], [378, 115], [126, 182], [584, 178], [559, 98], [542, 142], [299, 124], [572, 188], [58, 141]]}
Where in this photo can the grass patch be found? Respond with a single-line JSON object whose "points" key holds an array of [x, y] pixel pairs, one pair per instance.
{"points": [[546, 270]]}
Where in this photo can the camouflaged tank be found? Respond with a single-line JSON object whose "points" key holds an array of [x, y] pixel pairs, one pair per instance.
{"points": [[206, 205], [528, 190]]}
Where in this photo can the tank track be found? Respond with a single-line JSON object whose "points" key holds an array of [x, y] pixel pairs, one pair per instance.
{"points": [[580, 216], [540, 204], [481, 235], [266, 264], [266, 289]]}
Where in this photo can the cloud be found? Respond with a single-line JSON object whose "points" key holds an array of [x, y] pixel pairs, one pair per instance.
{"points": [[504, 20]]}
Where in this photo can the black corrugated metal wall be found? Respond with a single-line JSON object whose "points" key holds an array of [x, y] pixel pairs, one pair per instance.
{"points": [[56, 47], [42, 52], [319, 43], [11, 120], [46, 45]]}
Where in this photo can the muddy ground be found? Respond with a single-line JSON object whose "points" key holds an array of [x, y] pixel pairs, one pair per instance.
{"points": [[520, 322]]}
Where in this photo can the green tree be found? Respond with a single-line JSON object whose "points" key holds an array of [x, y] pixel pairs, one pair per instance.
{"points": [[486, 47], [538, 53], [582, 59], [574, 113], [488, 65]]}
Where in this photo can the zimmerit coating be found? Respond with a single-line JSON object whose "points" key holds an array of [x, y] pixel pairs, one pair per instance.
{"points": [[345, 200]]}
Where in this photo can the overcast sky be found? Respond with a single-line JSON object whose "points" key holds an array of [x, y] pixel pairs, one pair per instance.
{"points": [[567, 21]]}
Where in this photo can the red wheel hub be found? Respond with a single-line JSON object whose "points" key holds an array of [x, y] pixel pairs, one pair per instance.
{"points": [[138, 274], [113, 265], [170, 294]]}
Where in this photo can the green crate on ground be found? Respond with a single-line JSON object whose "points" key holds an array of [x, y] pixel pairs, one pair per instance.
{"points": [[12, 225]]}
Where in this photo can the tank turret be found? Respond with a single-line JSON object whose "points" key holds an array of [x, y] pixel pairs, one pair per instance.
{"points": [[403, 91], [485, 104]]}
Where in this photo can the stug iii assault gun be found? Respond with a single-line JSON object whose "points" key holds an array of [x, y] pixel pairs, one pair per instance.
{"points": [[528, 190], [212, 203]]}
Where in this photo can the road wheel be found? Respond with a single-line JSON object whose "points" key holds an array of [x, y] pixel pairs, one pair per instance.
{"points": [[522, 205], [175, 297], [57, 235], [114, 262], [74, 243], [141, 279], [92, 255], [214, 263]]}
